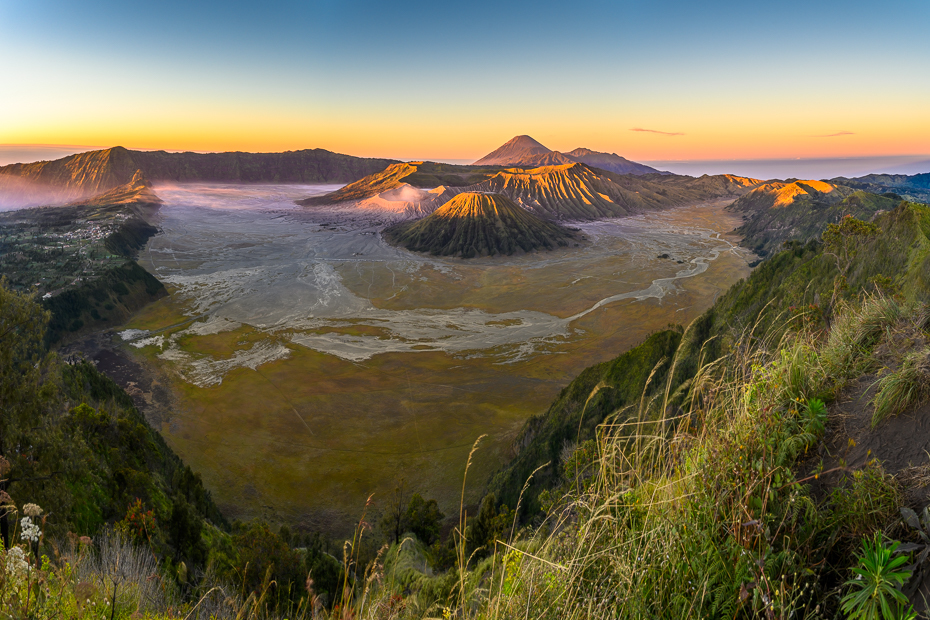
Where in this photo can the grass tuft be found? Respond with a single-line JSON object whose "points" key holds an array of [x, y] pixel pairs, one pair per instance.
{"points": [[904, 388]]}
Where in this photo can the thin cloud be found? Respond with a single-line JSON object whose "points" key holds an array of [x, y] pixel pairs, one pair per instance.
{"points": [[661, 133], [835, 135]]}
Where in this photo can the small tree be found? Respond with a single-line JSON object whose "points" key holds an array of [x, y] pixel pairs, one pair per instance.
{"points": [[393, 523], [424, 518]]}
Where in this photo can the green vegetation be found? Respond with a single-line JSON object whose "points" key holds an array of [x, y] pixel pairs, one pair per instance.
{"points": [[81, 258], [876, 589], [805, 217], [474, 224], [682, 479]]}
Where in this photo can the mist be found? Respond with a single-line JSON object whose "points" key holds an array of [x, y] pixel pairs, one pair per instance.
{"points": [[19, 193]]}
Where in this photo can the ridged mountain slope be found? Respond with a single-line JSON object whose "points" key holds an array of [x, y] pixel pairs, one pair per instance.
{"points": [[579, 192], [573, 191], [137, 191], [476, 224]]}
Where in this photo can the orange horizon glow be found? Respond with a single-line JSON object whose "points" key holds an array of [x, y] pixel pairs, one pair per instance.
{"points": [[709, 128], [693, 147], [902, 129]]}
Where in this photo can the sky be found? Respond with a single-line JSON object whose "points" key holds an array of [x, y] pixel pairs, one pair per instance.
{"points": [[672, 81]]}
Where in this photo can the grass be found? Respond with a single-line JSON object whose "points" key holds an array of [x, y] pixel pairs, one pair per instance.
{"points": [[696, 511], [705, 519], [907, 386]]}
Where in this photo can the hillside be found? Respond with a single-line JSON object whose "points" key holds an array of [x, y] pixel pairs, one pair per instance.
{"points": [[80, 258], [771, 380], [476, 224], [778, 211], [800, 277], [88, 174], [741, 465], [914, 187], [525, 152]]}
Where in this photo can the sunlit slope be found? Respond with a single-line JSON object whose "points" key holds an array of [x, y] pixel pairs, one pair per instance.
{"points": [[476, 224], [778, 211], [579, 192], [137, 191], [66, 179], [88, 174], [418, 174], [571, 192]]}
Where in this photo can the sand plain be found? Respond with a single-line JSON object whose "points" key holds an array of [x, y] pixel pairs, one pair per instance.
{"points": [[313, 364]]}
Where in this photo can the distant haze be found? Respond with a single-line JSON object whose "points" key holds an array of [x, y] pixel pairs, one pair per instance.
{"points": [[29, 153], [823, 168]]}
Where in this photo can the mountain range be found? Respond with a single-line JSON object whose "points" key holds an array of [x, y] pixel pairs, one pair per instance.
{"points": [[526, 152], [94, 172], [573, 191]]}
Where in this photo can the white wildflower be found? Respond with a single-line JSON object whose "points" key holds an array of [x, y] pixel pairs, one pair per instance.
{"points": [[30, 532], [16, 564], [32, 510]]}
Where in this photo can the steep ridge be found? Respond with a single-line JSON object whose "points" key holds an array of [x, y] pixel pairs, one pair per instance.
{"points": [[137, 191], [65, 180], [778, 211], [477, 224], [391, 177], [88, 174], [573, 191]]}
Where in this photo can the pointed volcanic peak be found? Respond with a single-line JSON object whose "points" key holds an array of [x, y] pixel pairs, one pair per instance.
{"points": [[478, 224], [610, 162], [514, 152]]}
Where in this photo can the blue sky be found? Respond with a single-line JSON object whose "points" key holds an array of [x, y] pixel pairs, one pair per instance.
{"points": [[418, 79]]}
